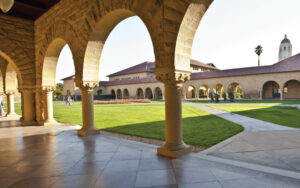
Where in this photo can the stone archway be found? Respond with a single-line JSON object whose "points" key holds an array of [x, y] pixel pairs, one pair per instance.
{"points": [[119, 94], [236, 89], [158, 94], [291, 89], [113, 94], [219, 89], [99, 92], [49, 67], [140, 93], [271, 90], [191, 92], [204, 91], [148, 93], [126, 94]]}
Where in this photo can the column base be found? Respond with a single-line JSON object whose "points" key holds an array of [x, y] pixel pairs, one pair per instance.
{"points": [[163, 151], [86, 132], [51, 123], [12, 115], [29, 123]]}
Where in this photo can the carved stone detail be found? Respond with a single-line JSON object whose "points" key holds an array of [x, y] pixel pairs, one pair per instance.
{"points": [[87, 85], [47, 89], [174, 77]]}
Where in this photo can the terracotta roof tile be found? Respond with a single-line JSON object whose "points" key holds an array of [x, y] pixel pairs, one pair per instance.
{"points": [[288, 65]]}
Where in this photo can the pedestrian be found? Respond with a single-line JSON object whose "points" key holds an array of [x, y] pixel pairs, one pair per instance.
{"points": [[1, 106]]}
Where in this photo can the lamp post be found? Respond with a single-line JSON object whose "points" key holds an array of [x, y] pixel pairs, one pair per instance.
{"points": [[5, 5]]}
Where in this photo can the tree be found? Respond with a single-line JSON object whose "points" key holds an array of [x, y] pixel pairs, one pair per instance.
{"points": [[58, 91], [259, 51]]}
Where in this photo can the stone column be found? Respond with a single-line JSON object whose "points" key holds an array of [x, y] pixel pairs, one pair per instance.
{"points": [[174, 145], [87, 96], [10, 104], [28, 107], [48, 102]]}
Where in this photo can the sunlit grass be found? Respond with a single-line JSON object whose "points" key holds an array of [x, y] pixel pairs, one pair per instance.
{"points": [[288, 116], [147, 120]]}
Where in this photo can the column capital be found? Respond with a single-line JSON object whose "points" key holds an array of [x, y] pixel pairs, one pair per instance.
{"points": [[10, 92], [172, 77], [87, 85], [47, 89]]}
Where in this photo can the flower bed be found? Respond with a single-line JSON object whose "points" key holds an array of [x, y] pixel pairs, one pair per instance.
{"points": [[123, 101]]}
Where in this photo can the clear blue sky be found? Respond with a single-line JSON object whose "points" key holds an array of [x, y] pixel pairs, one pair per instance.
{"points": [[227, 36]]}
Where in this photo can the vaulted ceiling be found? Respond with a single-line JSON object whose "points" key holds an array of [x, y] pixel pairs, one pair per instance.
{"points": [[30, 9]]}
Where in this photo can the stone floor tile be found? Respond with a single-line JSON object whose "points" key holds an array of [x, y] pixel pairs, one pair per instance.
{"points": [[127, 155], [122, 165], [213, 184], [116, 180], [75, 181], [97, 157], [87, 168], [155, 178], [193, 175], [155, 164], [35, 182]]}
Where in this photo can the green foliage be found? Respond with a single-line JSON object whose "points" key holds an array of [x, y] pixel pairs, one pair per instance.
{"points": [[58, 91], [259, 50]]}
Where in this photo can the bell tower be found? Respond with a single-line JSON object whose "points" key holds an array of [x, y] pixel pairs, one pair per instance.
{"points": [[285, 49]]}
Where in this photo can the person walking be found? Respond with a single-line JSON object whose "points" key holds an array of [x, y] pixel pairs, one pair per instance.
{"points": [[1, 106]]}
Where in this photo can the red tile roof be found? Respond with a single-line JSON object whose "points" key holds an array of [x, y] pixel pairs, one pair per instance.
{"points": [[149, 66], [69, 77], [127, 81], [142, 67], [291, 64]]}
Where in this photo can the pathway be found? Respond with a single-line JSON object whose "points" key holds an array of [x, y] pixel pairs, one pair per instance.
{"points": [[249, 124]]}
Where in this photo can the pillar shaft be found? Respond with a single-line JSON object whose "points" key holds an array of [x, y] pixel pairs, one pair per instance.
{"points": [[10, 104], [49, 106], [173, 118], [28, 108], [174, 145], [88, 127]]}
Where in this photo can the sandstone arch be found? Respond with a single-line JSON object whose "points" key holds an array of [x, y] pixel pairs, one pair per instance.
{"points": [[119, 94], [271, 90], [191, 92], [140, 93], [148, 93], [291, 89], [158, 95], [236, 89], [113, 94], [126, 94]]}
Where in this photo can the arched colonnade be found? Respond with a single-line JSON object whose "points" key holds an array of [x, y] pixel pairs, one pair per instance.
{"points": [[171, 25]]}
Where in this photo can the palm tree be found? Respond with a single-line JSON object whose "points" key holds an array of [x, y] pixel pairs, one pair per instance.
{"points": [[258, 51]]}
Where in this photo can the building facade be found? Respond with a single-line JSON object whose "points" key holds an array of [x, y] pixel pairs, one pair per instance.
{"points": [[278, 81]]}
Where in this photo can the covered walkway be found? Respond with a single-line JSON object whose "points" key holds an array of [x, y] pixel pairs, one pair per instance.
{"points": [[57, 157]]}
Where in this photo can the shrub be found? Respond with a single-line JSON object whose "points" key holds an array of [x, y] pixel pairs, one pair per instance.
{"points": [[123, 101]]}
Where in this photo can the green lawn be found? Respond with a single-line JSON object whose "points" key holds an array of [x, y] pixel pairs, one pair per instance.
{"points": [[242, 101], [288, 116], [147, 120]]}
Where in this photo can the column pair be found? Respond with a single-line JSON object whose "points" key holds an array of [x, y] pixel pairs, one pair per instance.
{"points": [[174, 145]]}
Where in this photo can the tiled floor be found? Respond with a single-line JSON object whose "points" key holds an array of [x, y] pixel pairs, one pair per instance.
{"points": [[60, 158]]}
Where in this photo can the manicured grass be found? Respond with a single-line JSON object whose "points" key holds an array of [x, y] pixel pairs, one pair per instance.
{"points": [[147, 120], [242, 101], [288, 116]]}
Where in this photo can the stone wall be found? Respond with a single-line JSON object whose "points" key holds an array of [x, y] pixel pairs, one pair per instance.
{"points": [[17, 47]]}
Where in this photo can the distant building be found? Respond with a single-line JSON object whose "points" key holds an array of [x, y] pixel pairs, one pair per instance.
{"points": [[278, 81]]}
